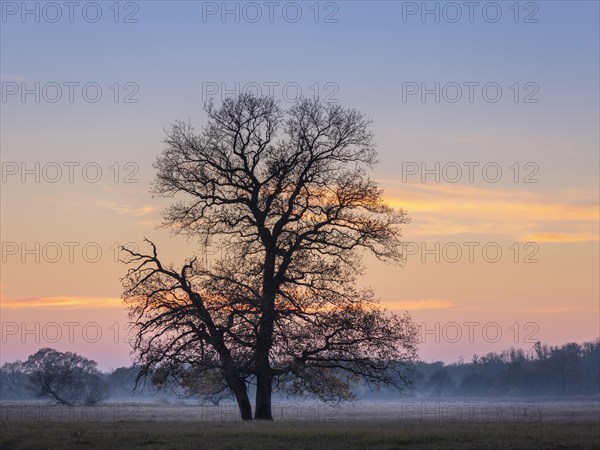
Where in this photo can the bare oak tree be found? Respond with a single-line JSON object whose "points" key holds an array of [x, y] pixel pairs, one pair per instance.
{"points": [[287, 196]]}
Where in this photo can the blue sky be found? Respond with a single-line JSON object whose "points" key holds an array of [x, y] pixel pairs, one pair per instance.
{"points": [[369, 53]]}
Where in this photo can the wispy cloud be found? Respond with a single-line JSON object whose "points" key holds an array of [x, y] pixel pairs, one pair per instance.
{"points": [[443, 210], [6, 77], [562, 310], [561, 237], [128, 210], [61, 302]]}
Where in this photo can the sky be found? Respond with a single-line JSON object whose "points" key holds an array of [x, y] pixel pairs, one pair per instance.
{"points": [[486, 118]]}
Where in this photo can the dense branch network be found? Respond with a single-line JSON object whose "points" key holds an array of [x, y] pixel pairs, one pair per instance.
{"points": [[287, 195]]}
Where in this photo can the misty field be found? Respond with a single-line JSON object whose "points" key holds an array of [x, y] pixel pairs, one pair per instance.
{"points": [[457, 423]]}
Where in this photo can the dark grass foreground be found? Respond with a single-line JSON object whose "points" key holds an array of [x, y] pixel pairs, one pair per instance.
{"points": [[299, 435]]}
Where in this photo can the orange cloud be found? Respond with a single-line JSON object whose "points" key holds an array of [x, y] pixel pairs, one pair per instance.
{"points": [[562, 310], [61, 302], [560, 237], [128, 210], [450, 209]]}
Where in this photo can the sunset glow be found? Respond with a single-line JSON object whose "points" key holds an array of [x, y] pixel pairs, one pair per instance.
{"points": [[517, 243]]}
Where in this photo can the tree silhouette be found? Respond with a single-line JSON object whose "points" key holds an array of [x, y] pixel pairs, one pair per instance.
{"points": [[65, 377], [286, 195]]}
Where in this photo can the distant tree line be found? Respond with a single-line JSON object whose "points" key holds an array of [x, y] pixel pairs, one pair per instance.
{"points": [[568, 370]]}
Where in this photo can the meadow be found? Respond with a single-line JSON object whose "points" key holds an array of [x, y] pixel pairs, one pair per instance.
{"points": [[453, 424]]}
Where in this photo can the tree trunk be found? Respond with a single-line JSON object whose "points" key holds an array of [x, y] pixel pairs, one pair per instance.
{"points": [[263, 397], [264, 375], [241, 396], [238, 387]]}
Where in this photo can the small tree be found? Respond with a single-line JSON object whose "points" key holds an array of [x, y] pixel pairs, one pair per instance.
{"points": [[287, 196], [65, 377]]}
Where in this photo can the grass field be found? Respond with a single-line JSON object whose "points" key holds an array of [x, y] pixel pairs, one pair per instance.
{"points": [[558, 426]]}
